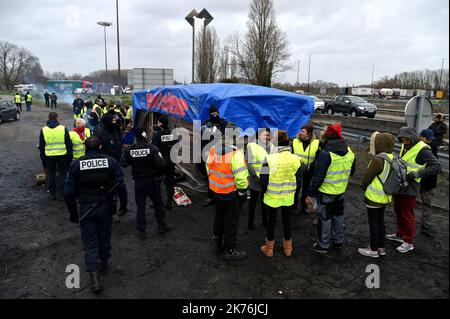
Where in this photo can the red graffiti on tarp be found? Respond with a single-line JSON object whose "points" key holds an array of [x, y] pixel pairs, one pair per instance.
{"points": [[168, 103]]}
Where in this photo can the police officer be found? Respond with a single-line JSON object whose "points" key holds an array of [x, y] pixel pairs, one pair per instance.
{"points": [[18, 101], [227, 174], [164, 140], [146, 162], [55, 147], [94, 179]]}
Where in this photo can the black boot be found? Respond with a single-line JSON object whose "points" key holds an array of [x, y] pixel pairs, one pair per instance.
{"points": [[95, 282], [164, 228], [234, 254], [103, 267]]}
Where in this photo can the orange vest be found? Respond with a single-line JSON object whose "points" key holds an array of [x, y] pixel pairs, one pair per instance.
{"points": [[221, 178]]}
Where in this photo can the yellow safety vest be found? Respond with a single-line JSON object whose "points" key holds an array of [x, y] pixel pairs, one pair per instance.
{"points": [[55, 141], [338, 174], [308, 155], [259, 154], [29, 97], [410, 158], [375, 191], [282, 180], [129, 114], [18, 99], [78, 144]]}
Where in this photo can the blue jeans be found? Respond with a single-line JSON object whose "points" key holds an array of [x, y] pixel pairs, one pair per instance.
{"points": [[330, 210], [143, 188], [96, 235]]}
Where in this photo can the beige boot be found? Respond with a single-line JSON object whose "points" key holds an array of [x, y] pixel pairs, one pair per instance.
{"points": [[267, 248], [287, 247]]}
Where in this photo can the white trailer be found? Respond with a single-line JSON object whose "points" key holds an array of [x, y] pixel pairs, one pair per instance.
{"points": [[362, 91]]}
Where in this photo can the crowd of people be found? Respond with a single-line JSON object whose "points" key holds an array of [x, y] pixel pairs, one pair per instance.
{"points": [[308, 175]]}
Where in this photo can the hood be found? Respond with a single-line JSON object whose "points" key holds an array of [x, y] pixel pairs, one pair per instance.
{"points": [[382, 143], [409, 133], [107, 122], [338, 147], [52, 124]]}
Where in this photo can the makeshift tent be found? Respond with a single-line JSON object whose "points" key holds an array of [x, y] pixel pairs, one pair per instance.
{"points": [[247, 106]]}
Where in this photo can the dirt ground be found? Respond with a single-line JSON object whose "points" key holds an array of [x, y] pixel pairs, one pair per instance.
{"points": [[37, 242]]}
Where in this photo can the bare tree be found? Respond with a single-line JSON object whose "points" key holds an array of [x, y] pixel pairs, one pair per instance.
{"points": [[208, 55], [15, 62], [264, 50]]}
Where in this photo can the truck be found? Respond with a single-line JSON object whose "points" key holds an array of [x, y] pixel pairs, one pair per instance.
{"points": [[362, 91]]}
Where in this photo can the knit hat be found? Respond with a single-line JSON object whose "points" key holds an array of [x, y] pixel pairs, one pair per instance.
{"points": [[428, 134], [164, 120], [335, 129], [213, 109]]}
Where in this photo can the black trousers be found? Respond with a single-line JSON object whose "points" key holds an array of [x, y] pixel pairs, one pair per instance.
{"points": [[377, 227], [226, 222], [60, 164], [285, 214], [169, 181], [47, 103], [19, 106], [143, 188], [53, 104], [254, 196], [307, 176]]}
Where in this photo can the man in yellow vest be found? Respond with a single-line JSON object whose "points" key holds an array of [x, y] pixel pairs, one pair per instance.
{"points": [[256, 154], [227, 175], [421, 163], [280, 176], [78, 135], [334, 166], [306, 146], [28, 101], [55, 149], [375, 199], [18, 101]]}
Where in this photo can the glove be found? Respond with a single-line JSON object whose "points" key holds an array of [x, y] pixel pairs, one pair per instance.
{"points": [[74, 218], [412, 176], [242, 195]]}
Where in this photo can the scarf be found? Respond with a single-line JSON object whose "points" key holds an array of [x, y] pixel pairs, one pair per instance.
{"points": [[80, 132]]}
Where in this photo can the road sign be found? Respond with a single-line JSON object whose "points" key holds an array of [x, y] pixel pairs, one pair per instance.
{"points": [[419, 113]]}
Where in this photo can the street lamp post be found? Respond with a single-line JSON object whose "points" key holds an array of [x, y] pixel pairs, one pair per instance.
{"points": [[440, 78], [190, 19], [105, 24], [309, 71]]}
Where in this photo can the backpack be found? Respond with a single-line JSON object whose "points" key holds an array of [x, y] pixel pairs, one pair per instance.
{"points": [[397, 176]]}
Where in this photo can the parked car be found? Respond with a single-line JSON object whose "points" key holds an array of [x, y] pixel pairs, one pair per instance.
{"points": [[319, 105], [351, 105], [8, 111], [127, 90]]}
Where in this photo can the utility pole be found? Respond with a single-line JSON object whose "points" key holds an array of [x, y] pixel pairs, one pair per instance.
{"points": [[373, 72], [309, 71], [440, 79], [298, 75], [118, 42]]}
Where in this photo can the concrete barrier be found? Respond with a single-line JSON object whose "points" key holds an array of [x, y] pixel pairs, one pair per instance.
{"points": [[360, 123]]}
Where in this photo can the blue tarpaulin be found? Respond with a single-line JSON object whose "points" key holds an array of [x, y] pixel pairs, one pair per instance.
{"points": [[247, 106]]}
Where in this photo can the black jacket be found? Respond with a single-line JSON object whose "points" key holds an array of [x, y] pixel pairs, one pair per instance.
{"points": [[430, 182], [111, 141], [323, 162], [143, 166]]}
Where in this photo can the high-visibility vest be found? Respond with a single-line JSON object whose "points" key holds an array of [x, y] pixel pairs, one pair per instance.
{"points": [[259, 154], [338, 174], [129, 115], [282, 179], [227, 172], [307, 155], [29, 97], [375, 191], [55, 141], [17, 98], [78, 143], [410, 158]]}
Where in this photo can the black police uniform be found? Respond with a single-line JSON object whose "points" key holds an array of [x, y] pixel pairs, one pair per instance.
{"points": [[90, 179], [165, 140], [146, 163]]}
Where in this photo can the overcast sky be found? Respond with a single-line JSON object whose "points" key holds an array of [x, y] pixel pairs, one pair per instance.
{"points": [[344, 37]]}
